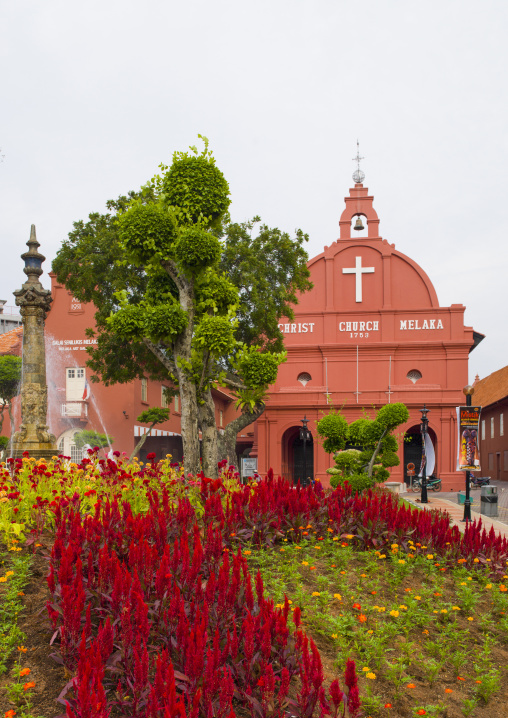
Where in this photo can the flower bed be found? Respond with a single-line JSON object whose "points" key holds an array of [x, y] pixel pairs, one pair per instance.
{"points": [[154, 610]]}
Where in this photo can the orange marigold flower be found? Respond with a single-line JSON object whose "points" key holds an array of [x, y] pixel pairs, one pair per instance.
{"points": [[421, 712], [24, 672], [448, 690], [411, 685], [362, 618], [10, 714], [357, 606], [502, 587], [459, 678], [27, 686], [388, 705], [22, 649]]}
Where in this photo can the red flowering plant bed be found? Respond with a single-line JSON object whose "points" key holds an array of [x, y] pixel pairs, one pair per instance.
{"points": [[273, 510], [154, 610], [155, 617]]}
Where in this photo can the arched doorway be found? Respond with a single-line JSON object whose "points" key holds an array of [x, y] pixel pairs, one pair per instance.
{"points": [[413, 449], [297, 464]]}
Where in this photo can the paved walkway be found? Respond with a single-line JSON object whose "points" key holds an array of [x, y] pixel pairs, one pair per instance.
{"points": [[449, 502]]}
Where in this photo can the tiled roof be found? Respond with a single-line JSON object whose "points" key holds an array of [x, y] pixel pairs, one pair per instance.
{"points": [[12, 342], [491, 389]]}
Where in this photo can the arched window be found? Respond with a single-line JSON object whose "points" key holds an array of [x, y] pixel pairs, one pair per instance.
{"points": [[67, 447], [304, 378], [414, 375]]}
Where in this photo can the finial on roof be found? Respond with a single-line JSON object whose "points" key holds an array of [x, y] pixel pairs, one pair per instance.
{"points": [[33, 258], [358, 175]]}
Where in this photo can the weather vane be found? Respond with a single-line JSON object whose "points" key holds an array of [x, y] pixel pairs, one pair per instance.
{"points": [[358, 175]]}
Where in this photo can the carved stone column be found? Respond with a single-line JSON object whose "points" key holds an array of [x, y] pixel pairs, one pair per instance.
{"points": [[34, 302]]}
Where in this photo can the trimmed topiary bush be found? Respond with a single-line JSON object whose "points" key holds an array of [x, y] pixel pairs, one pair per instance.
{"points": [[196, 187], [357, 482], [147, 230]]}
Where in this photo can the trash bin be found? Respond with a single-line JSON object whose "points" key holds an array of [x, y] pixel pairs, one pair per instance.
{"points": [[488, 505]]}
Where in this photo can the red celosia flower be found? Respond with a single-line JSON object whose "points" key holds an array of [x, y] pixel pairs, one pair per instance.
{"points": [[336, 693]]}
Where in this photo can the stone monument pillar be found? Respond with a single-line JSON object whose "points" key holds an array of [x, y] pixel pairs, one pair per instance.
{"points": [[34, 302]]}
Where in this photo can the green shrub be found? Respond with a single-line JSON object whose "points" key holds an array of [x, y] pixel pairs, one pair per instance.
{"points": [[358, 482]]}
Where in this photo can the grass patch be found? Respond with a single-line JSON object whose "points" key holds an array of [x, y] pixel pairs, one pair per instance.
{"points": [[14, 575], [425, 637]]}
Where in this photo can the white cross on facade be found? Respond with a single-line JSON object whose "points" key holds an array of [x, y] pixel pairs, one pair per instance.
{"points": [[358, 270]]}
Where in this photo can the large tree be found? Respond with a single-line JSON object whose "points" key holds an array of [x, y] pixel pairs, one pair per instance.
{"points": [[181, 293]]}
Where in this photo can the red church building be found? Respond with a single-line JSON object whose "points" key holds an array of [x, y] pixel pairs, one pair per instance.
{"points": [[371, 331]]}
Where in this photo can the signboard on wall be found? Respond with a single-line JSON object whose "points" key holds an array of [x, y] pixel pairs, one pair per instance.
{"points": [[249, 467]]}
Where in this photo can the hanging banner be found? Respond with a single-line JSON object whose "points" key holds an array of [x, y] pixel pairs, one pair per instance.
{"points": [[428, 457], [468, 452]]}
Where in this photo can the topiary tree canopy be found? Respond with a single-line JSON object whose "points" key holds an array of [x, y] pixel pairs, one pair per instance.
{"points": [[184, 296], [371, 447]]}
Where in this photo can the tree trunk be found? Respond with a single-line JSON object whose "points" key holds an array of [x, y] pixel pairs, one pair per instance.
{"points": [[189, 425], [227, 440], [188, 397], [141, 442], [376, 452], [209, 435]]}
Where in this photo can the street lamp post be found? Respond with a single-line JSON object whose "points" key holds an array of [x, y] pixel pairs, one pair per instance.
{"points": [[468, 391], [305, 436], [423, 428]]}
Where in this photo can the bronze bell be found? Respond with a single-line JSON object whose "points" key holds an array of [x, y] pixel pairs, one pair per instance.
{"points": [[358, 225]]}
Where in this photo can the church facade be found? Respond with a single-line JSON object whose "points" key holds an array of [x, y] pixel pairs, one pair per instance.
{"points": [[371, 331]]}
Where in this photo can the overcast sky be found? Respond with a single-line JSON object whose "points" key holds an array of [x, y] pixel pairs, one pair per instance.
{"points": [[95, 95]]}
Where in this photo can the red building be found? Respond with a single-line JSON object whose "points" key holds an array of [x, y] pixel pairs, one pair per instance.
{"points": [[491, 394], [370, 332], [75, 403]]}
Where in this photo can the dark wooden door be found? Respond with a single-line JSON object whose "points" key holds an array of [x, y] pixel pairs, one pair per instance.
{"points": [[300, 468]]}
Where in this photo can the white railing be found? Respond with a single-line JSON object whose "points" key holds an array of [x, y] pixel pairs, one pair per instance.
{"points": [[75, 409]]}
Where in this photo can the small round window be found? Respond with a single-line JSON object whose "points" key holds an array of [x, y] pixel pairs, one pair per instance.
{"points": [[304, 378], [414, 375]]}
